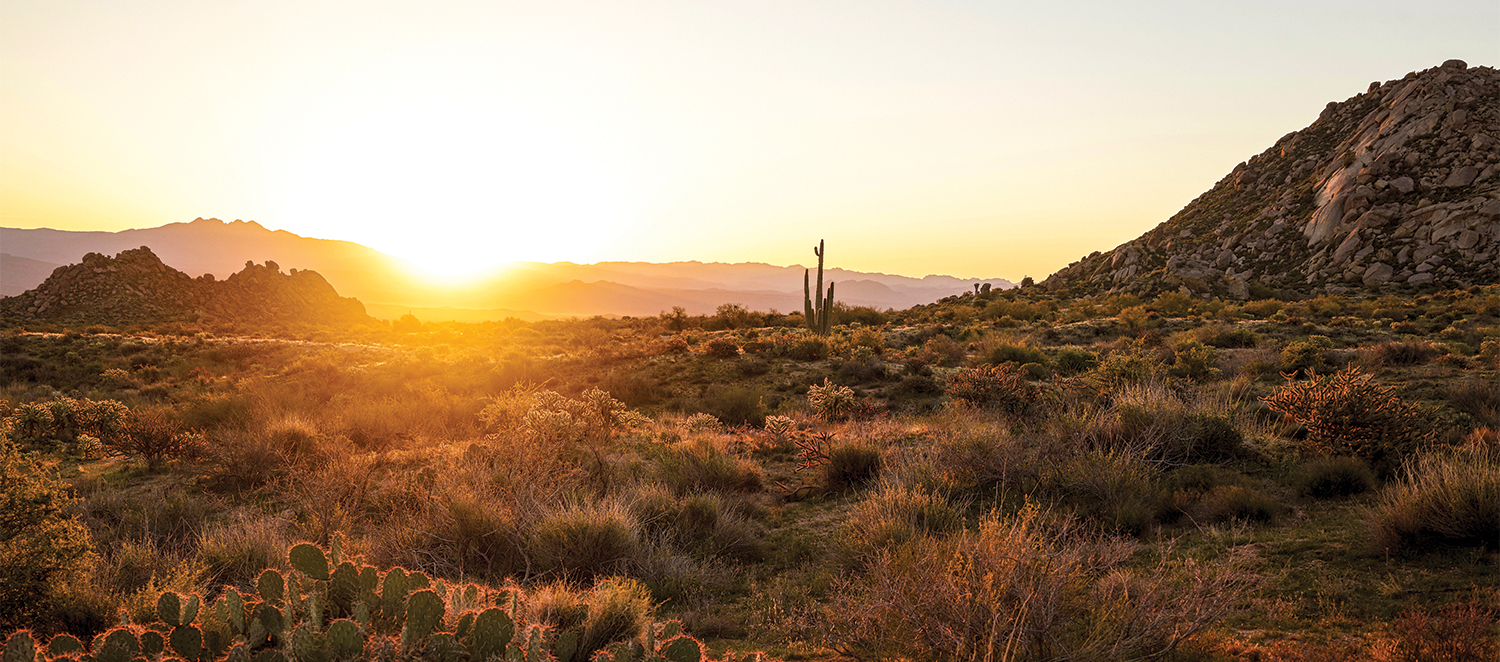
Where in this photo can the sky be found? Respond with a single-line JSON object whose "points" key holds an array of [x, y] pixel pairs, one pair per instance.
{"points": [[973, 139]]}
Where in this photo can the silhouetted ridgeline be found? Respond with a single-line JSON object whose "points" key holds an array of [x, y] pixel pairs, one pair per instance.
{"points": [[135, 287]]}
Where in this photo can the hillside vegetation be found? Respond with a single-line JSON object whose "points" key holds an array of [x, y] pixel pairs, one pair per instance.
{"points": [[1010, 474]]}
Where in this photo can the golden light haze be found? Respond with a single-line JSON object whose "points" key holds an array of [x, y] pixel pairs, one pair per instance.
{"points": [[976, 139]]}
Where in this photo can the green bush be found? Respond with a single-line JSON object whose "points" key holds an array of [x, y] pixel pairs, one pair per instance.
{"points": [[40, 542], [735, 405], [1075, 360], [1334, 477], [1012, 354], [1303, 357], [809, 348]]}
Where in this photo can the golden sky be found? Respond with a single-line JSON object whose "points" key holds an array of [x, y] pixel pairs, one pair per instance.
{"points": [[976, 139]]}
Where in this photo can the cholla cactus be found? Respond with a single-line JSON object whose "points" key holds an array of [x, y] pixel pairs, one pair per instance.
{"points": [[830, 401], [781, 427], [701, 422]]}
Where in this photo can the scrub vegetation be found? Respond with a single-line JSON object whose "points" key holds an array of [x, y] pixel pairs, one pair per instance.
{"points": [[1000, 475]]}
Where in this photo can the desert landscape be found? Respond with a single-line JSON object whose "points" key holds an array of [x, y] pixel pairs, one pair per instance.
{"points": [[1267, 428]]}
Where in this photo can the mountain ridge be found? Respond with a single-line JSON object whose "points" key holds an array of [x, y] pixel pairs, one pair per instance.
{"points": [[1395, 188]]}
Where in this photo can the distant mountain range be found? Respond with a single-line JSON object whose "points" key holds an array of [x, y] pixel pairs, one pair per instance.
{"points": [[529, 290]]}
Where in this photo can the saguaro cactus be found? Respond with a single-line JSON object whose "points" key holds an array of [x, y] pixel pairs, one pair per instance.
{"points": [[817, 309]]}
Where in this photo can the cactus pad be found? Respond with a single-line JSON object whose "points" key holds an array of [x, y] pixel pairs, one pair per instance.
{"points": [[64, 644], [152, 643], [272, 586], [424, 611], [491, 633], [682, 649], [309, 560], [345, 641], [20, 647], [169, 608], [187, 641]]}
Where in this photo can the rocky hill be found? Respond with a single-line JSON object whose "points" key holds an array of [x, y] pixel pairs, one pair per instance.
{"points": [[1393, 189], [135, 287]]}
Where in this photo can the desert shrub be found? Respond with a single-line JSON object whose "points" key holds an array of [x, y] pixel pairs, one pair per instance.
{"points": [[1128, 368], [1334, 477], [809, 348], [1075, 360], [941, 350], [918, 385], [558, 605], [1024, 587], [749, 367], [1449, 497], [1478, 398], [1116, 490], [869, 338], [1149, 421], [722, 348], [631, 388], [40, 541], [849, 466], [1409, 352], [702, 422], [155, 434], [235, 555], [1348, 414], [1001, 388], [831, 402], [213, 412], [1227, 337], [700, 465], [1239, 502], [863, 370], [1457, 633], [1013, 354], [1194, 360], [466, 532], [735, 405], [1303, 357], [238, 459], [1489, 352], [586, 540]]}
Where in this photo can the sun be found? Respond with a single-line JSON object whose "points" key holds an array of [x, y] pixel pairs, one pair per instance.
{"points": [[455, 186]]}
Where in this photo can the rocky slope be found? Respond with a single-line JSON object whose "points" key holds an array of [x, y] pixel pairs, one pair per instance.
{"points": [[135, 287], [1393, 189]]}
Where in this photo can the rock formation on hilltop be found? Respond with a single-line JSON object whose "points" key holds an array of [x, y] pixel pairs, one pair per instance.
{"points": [[135, 287], [1393, 189]]}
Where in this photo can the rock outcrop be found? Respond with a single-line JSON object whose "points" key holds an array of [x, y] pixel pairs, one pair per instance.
{"points": [[135, 287], [1393, 189]]}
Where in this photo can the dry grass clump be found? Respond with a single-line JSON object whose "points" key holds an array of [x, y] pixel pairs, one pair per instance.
{"points": [[1444, 498], [1027, 587], [620, 609], [849, 465], [701, 465], [1149, 420], [586, 540], [1478, 398], [895, 515], [236, 553]]}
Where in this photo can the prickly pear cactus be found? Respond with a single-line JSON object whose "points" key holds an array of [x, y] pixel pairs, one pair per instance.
{"points": [[343, 589], [20, 647], [492, 631], [345, 641], [424, 611], [187, 641], [117, 645], [152, 643], [309, 645], [272, 587], [682, 649], [309, 560], [64, 644]]}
